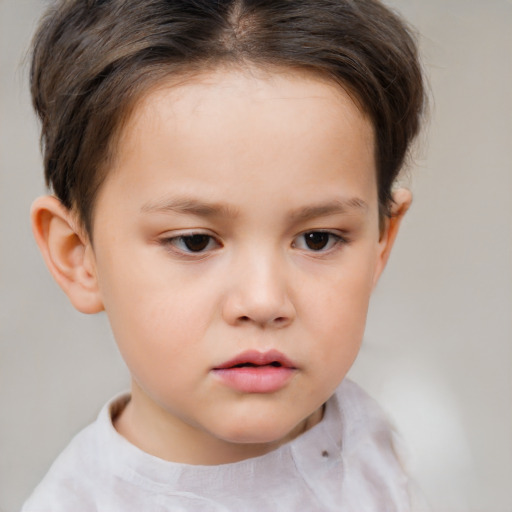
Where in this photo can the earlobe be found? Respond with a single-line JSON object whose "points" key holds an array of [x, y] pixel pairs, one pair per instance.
{"points": [[402, 199], [67, 253]]}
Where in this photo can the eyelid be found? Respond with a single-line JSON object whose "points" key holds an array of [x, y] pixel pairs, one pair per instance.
{"points": [[168, 241], [341, 239]]}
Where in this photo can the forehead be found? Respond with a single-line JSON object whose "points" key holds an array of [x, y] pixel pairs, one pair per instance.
{"points": [[287, 125], [227, 90]]}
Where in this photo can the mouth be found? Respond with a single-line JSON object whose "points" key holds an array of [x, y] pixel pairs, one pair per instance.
{"points": [[256, 372], [275, 364], [255, 359]]}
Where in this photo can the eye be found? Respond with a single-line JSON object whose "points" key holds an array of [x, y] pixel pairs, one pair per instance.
{"points": [[193, 243], [317, 241]]}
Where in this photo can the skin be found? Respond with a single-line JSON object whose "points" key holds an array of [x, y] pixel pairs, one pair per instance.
{"points": [[252, 162]]}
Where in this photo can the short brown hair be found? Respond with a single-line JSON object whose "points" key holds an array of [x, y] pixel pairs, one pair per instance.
{"points": [[92, 59]]}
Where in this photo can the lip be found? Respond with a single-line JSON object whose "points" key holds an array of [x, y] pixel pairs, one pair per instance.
{"points": [[258, 359], [256, 372]]}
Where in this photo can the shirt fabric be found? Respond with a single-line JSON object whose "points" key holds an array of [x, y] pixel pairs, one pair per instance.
{"points": [[347, 462]]}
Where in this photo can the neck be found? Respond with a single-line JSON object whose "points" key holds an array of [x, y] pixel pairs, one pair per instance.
{"points": [[157, 432]]}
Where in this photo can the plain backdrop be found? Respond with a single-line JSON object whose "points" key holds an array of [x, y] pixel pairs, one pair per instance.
{"points": [[438, 348]]}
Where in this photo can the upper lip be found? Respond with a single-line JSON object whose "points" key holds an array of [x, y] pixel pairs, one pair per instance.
{"points": [[256, 358]]}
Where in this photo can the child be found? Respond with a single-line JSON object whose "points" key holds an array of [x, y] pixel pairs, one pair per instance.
{"points": [[222, 177]]}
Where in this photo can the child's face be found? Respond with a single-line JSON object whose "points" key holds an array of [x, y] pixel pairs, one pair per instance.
{"points": [[238, 225]]}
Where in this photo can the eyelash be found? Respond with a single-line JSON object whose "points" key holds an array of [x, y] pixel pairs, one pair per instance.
{"points": [[335, 240], [172, 243]]}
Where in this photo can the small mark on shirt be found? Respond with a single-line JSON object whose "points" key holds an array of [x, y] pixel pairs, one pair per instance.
{"points": [[325, 453]]}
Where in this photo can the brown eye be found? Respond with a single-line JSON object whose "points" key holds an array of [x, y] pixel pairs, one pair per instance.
{"points": [[193, 244], [196, 243], [317, 240]]}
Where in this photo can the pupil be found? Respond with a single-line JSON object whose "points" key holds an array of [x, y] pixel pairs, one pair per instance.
{"points": [[196, 243], [317, 240]]}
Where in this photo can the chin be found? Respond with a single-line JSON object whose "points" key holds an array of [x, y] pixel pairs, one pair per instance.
{"points": [[256, 431]]}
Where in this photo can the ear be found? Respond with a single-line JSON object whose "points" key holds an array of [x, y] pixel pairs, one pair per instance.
{"points": [[402, 199], [67, 252]]}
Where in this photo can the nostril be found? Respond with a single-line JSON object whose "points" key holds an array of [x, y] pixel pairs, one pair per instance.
{"points": [[280, 320]]}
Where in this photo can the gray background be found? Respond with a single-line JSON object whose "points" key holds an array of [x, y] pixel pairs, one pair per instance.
{"points": [[437, 352]]}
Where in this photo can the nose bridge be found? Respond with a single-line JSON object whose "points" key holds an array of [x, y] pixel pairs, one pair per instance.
{"points": [[259, 291]]}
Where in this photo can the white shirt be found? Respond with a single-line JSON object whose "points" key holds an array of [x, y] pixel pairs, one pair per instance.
{"points": [[347, 463]]}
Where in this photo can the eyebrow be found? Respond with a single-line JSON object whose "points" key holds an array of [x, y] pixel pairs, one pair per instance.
{"points": [[192, 206], [189, 206], [335, 207]]}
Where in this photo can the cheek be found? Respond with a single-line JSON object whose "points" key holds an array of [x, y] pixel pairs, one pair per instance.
{"points": [[156, 319], [338, 307], [160, 339]]}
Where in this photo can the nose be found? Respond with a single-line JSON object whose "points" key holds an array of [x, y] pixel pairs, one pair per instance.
{"points": [[259, 293]]}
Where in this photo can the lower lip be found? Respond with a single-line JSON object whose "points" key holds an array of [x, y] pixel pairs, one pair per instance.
{"points": [[262, 379]]}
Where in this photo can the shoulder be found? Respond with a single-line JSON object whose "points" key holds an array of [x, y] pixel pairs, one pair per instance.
{"points": [[67, 481], [361, 413], [372, 452], [367, 430], [71, 483]]}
